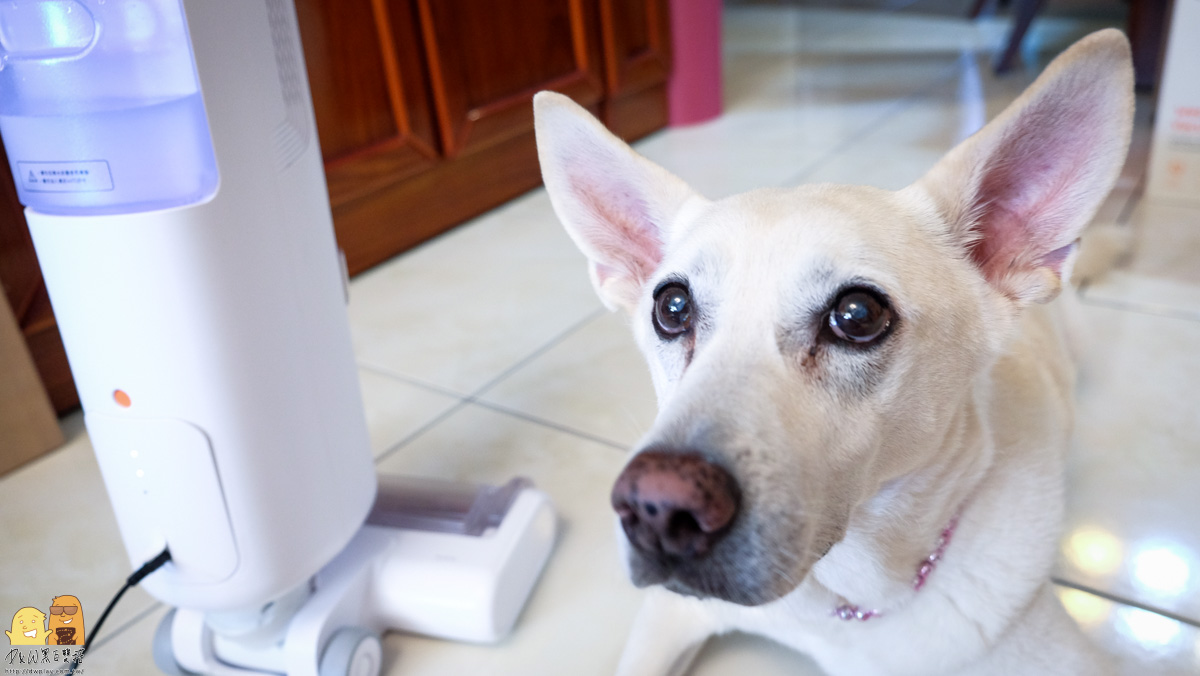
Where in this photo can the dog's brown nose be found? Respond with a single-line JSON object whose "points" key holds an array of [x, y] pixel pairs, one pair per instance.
{"points": [[677, 504]]}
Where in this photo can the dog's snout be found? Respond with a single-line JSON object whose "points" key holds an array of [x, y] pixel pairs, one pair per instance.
{"points": [[675, 503]]}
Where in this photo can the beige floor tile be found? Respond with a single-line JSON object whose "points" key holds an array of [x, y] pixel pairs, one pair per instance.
{"points": [[1167, 241], [1160, 274], [594, 381], [1132, 528], [786, 114], [459, 310], [749, 150], [737, 654], [60, 537], [1140, 643], [908, 143], [1142, 293], [395, 409], [800, 84]]}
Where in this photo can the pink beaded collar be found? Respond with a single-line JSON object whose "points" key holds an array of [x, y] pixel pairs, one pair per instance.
{"points": [[847, 611]]}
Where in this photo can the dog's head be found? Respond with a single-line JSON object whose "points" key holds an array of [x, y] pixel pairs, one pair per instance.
{"points": [[810, 346]]}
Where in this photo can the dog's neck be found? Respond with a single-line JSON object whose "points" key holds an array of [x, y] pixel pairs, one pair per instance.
{"points": [[885, 557], [847, 610]]}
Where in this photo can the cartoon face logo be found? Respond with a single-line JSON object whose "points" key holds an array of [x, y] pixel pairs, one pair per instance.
{"points": [[28, 628], [66, 621]]}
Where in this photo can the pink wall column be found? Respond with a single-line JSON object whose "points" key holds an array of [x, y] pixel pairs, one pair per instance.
{"points": [[694, 90]]}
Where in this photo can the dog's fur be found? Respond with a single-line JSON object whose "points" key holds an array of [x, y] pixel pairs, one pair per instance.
{"points": [[852, 460]]}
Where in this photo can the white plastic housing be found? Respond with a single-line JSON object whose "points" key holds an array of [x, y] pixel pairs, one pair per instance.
{"points": [[465, 588], [244, 449], [458, 587]]}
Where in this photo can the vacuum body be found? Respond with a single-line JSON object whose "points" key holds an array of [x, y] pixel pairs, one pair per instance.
{"points": [[168, 158]]}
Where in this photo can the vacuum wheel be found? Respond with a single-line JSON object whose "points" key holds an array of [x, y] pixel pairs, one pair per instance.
{"points": [[164, 654], [353, 651]]}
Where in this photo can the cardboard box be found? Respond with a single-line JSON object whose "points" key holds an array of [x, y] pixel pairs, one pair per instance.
{"points": [[28, 426], [1175, 153]]}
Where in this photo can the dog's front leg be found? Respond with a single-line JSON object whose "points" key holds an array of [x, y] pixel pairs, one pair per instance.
{"points": [[668, 632]]}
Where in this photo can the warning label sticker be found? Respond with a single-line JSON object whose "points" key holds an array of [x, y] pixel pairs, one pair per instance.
{"points": [[90, 176]]}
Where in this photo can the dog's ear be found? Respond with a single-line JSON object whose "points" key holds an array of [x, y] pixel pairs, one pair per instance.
{"points": [[615, 204], [1018, 193]]}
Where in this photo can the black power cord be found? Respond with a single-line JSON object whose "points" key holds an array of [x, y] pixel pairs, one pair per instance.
{"points": [[131, 581]]}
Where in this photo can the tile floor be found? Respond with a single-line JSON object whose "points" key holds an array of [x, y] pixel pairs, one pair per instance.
{"points": [[484, 354]]}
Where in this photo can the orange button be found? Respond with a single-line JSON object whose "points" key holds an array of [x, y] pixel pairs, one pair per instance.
{"points": [[121, 398]]}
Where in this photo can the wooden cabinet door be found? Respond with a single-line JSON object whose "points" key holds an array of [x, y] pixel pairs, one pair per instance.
{"points": [[369, 93], [488, 57], [637, 60], [424, 107]]}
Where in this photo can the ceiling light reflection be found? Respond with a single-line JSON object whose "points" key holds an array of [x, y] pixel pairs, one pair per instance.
{"points": [[1087, 610], [1150, 629], [1094, 551], [1162, 569]]}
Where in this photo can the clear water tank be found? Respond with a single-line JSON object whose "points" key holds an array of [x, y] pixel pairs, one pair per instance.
{"points": [[100, 106]]}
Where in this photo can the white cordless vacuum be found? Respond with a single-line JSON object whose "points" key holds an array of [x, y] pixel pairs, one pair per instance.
{"points": [[167, 155]]}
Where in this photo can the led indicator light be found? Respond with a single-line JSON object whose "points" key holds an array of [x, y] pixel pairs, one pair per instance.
{"points": [[121, 398]]}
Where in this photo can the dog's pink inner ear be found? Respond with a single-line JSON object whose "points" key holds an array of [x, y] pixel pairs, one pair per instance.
{"points": [[622, 232], [1033, 195]]}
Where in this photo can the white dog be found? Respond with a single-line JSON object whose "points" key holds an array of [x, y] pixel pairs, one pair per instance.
{"points": [[863, 407]]}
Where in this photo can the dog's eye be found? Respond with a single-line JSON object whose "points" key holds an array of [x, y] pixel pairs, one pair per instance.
{"points": [[672, 310], [859, 316]]}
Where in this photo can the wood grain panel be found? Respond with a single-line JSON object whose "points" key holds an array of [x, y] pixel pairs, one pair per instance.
{"points": [[637, 51], [488, 57], [369, 92], [372, 230], [635, 115]]}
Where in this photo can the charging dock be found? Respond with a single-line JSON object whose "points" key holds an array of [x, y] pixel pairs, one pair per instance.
{"points": [[447, 560]]}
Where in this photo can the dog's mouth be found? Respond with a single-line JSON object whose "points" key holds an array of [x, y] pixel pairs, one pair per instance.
{"points": [[750, 582], [748, 566], [692, 578], [743, 568]]}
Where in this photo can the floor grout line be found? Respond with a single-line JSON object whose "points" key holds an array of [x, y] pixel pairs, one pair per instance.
{"points": [[409, 380], [411, 436], [474, 398], [551, 424], [522, 363], [855, 138], [124, 626], [1108, 596], [1136, 307], [1125, 220]]}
